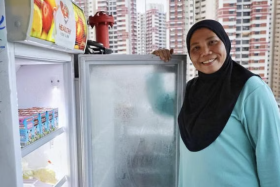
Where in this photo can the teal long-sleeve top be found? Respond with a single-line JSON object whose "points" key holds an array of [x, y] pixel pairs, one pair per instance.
{"points": [[246, 153]]}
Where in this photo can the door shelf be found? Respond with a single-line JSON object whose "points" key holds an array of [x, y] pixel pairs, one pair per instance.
{"points": [[35, 183], [38, 143]]}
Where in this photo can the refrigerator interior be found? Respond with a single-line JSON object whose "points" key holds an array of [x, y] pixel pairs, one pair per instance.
{"points": [[43, 84]]}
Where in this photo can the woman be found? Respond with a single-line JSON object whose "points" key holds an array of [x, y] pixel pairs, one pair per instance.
{"points": [[229, 120]]}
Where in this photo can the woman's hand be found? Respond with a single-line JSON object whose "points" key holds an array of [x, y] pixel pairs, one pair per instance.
{"points": [[164, 54]]}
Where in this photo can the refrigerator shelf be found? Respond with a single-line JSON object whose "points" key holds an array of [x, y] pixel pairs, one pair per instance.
{"points": [[61, 182], [36, 183], [35, 145]]}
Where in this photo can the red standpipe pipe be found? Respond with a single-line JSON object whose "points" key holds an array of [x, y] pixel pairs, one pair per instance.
{"points": [[101, 21]]}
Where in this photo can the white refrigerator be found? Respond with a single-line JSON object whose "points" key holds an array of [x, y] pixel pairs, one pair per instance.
{"points": [[117, 119], [36, 77]]}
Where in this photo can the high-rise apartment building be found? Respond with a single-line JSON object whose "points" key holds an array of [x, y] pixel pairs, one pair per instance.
{"points": [[275, 49], [151, 29], [247, 24], [204, 9], [141, 33], [155, 27], [176, 26]]}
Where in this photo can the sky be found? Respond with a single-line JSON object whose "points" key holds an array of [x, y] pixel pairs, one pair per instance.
{"points": [[141, 4]]}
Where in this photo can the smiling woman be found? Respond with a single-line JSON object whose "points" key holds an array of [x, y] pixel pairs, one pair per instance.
{"points": [[207, 51], [229, 121]]}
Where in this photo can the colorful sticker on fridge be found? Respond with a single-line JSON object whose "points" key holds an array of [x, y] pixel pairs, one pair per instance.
{"points": [[65, 24], [81, 28], [59, 22], [43, 22]]}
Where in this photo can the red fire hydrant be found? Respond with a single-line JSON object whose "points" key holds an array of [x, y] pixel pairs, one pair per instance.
{"points": [[101, 21]]}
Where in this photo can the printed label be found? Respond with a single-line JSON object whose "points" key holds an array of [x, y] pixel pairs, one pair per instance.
{"points": [[65, 24]]}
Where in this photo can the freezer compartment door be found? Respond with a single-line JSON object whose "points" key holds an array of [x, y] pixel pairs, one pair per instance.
{"points": [[129, 108]]}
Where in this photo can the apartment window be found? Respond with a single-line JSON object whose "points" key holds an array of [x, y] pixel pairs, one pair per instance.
{"points": [[238, 21], [256, 54], [245, 56], [238, 49], [246, 13], [245, 49], [245, 41], [246, 20], [257, 32], [238, 28], [245, 28], [238, 13], [239, 7], [258, 10]]}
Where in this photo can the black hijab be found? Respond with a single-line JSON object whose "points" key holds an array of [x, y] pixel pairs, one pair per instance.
{"points": [[210, 98]]}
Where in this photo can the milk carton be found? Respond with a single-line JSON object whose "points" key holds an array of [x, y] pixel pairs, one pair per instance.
{"points": [[55, 118], [26, 130], [44, 121]]}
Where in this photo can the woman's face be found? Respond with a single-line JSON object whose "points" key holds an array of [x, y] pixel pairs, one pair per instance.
{"points": [[207, 51]]}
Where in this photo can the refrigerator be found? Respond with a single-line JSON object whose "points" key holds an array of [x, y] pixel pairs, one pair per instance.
{"points": [[117, 124], [37, 100]]}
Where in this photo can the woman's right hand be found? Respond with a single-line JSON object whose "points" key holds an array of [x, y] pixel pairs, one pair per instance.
{"points": [[164, 54]]}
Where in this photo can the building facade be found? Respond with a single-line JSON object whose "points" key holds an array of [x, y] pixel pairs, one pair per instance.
{"points": [[155, 27], [141, 33], [247, 24], [275, 49]]}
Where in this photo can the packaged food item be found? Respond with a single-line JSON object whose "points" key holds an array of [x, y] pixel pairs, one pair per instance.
{"points": [[46, 175], [37, 125], [55, 114], [45, 125], [50, 118], [26, 126], [27, 173], [45, 120], [37, 130], [44, 115]]}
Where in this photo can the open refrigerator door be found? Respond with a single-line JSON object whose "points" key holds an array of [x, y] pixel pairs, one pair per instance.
{"points": [[128, 126], [37, 104]]}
